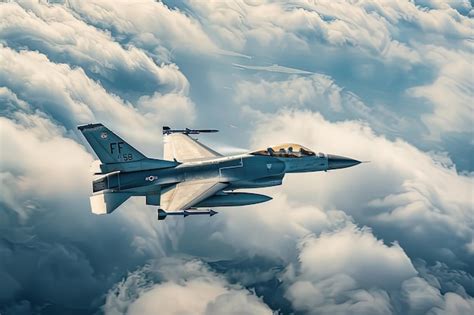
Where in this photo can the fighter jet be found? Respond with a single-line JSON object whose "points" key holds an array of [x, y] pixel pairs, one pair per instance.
{"points": [[192, 176]]}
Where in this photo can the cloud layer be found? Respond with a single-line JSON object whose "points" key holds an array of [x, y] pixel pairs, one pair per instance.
{"points": [[389, 82], [185, 287]]}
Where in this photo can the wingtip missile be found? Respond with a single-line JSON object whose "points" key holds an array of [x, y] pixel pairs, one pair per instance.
{"points": [[167, 130]]}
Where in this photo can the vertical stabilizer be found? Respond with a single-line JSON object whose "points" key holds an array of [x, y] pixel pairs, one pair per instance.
{"points": [[109, 147]]}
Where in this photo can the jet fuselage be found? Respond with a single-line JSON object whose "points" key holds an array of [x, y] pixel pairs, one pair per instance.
{"points": [[240, 171]]}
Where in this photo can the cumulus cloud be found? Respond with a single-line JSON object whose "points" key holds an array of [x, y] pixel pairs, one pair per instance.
{"points": [[316, 92], [150, 23], [55, 31], [345, 272], [416, 205], [252, 26], [52, 246], [374, 26], [180, 286], [423, 298], [353, 271], [35, 136], [68, 95], [350, 271], [391, 236], [274, 235], [451, 93], [402, 35], [358, 254]]}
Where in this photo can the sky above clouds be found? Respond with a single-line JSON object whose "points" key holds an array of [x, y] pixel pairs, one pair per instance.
{"points": [[391, 82]]}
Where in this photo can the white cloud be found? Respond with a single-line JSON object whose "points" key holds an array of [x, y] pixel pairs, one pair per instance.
{"points": [[312, 92], [464, 6], [356, 253], [55, 31], [423, 298], [50, 240], [420, 296], [272, 229], [451, 93], [443, 21], [404, 194], [169, 107], [263, 25], [38, 161], [374, 26], [402, 191], [68, 95], [399, 34], [150, 23], [348, 271], [180, 286]]}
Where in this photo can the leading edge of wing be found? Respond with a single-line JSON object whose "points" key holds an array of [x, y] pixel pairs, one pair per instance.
{"points": [[182, 148]]}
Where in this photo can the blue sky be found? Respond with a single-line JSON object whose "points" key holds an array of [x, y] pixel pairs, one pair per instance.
{"points": [[390, 82]]}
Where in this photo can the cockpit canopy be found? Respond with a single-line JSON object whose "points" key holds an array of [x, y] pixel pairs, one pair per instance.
{"points": [[287, 150]]}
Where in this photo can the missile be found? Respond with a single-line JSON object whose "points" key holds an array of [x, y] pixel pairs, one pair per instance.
{"points": [[167, 130], [162, 214]]}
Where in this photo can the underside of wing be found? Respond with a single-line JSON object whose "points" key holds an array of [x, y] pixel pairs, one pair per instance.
{"points": [[187, 194], [182, 148]]}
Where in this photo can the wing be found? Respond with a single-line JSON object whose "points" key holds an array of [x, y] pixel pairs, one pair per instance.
{"points": [[181, 147], [186, 194]]}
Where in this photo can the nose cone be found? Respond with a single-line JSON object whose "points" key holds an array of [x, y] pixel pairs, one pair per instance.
{"points": [[336, 161]]}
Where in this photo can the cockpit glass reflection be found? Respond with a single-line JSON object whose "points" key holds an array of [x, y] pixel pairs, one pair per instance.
{"points": [[288, 150]]}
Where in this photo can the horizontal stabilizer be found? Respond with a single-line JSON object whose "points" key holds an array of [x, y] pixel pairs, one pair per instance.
{"points": [[107, 202]]}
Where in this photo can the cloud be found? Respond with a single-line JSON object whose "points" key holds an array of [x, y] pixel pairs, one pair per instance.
{"points": [[56, 32], [391, 236], [463, 6], [374, 26], [315, 92], [407, 39], [451, 93], [274, 235], [360, 271], [169, 107], [411, 205], [48, 258], [263, 25], [422, 297], [149, 23], [350, 271], [180, 286], [35, 136], [68, 95], [358, 254]]}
